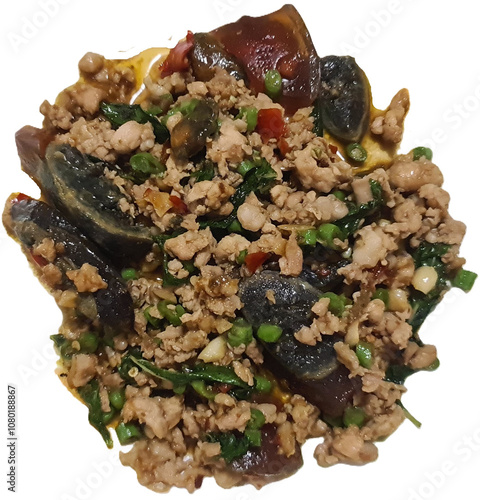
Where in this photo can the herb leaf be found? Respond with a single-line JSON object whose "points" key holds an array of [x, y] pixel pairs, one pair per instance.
{"points": [[145, 165], [206, 172], [118, 114], [206, 372], [258, 180], [352, 221], [168, 278], [90, 394], [232, 446], [428, 254]]}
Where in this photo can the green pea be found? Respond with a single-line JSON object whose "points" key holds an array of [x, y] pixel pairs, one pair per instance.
{"points": [[356, 152], [273, 83], [269, 333]]}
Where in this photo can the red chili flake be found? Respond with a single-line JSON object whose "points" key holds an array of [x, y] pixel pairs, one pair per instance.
{"points": [[333, 149], [254, 260], [178, 205], [284, 147], [177, 59], [20, 197], [224, 388], [324, 272], [270, 124], [39, 260], [198, 482]]}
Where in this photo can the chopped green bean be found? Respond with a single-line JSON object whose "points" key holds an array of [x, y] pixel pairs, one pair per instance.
{"points": [[151, 320], [129, 273], [273, 83], [117, 398], [235, 227], [88, 342], [127, 433], [356, 152], [422, 151], [250, 114], [262, 384], [171, 315], [326, 233], [109, 416], [464, 280], [257, 419], [241, 333], [364, 352], [354, 415], [200, 387], [254, 437], [269, 333], [337, 303], [241, 257], [308, 237], [340, 195]]}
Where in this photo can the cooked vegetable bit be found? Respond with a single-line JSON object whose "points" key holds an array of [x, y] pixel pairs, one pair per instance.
{"points": [[422, 152], [269, 333]]}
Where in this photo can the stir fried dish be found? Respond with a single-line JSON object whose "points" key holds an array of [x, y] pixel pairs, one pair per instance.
{"points": [[242, 258]]}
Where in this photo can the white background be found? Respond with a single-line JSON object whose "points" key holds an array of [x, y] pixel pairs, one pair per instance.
{"points": [[430, 47]]}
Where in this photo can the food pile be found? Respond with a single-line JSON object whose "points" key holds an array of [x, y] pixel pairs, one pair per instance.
{"points": [[242, 259]]}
